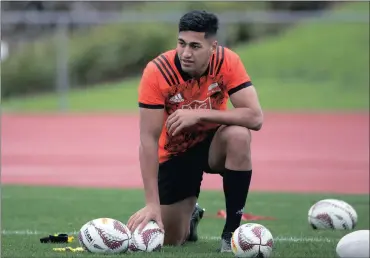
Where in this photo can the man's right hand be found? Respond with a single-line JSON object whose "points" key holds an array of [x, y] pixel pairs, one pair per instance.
{"points": [[142, 217]]}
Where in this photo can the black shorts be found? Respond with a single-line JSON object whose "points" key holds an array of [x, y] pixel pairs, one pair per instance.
{"points": [[181, 176]]}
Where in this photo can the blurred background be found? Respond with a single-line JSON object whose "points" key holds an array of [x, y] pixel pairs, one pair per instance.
{"points": [[87, 56], [70, 72]]}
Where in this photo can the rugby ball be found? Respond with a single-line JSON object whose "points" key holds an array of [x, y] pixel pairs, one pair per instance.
{"points": [[332, 214], [252, 240], [150, 239], [104, 236], [354, 245]]}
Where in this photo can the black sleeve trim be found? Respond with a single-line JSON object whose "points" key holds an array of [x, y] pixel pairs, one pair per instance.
{"points": [[240, 87], [142, 105]]}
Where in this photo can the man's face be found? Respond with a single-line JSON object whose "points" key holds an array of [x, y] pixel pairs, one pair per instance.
{"points": [[194, 51]]}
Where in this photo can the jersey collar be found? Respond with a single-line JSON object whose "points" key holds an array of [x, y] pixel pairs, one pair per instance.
{"points": [[185, 76]]}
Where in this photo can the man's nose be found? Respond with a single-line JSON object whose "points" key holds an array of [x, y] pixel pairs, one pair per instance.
{"points": [[187, 52]]}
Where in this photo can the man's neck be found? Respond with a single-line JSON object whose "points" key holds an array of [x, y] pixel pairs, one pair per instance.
{"points": [[199, 73]]}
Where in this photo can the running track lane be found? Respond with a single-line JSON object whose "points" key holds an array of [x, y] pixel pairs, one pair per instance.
{"points": [[292, 153]]}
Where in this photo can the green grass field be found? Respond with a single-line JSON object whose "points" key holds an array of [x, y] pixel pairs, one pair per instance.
{"points": [[47, 210], [283, 96], [315, 66]]}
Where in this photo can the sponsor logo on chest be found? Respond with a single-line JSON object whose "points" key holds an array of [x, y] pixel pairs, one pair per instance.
{"points": [[213, 88], [199, 104], [177, 98]]}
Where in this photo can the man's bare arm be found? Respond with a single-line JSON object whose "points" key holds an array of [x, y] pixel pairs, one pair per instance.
{"points": [[151, 121], [247, 111]]}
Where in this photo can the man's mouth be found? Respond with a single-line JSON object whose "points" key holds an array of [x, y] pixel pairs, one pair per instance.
{"points": [[187, 62]]}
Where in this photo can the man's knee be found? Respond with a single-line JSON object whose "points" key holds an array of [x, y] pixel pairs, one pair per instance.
{"points": [[175, 235], [176, 220], [238, 154], [176, 230], [230, 149], [238, 139]]}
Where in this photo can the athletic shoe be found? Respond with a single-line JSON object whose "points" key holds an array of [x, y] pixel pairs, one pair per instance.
{"points": [[225, 243], [195, 219]]}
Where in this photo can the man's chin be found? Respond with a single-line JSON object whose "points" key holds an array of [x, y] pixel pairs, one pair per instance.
{"points": [[187, 69]]}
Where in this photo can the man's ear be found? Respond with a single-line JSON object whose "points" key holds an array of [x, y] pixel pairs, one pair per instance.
{"points": [[214, 45]]}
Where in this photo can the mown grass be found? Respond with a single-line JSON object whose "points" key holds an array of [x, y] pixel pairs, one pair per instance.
{"points": [[47, 210]]}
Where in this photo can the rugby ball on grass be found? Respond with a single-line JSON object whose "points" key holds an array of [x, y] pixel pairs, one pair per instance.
{"points": [[252, 240], [332, 214], [354, 245], [104, 236], [150, 239]]}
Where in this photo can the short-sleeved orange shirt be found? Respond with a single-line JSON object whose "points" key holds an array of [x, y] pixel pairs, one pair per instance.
{"points": [[164, 85]]}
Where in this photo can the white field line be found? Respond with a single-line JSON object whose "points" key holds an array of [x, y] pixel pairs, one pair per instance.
{"points": [[212, 238], [288, 239]]}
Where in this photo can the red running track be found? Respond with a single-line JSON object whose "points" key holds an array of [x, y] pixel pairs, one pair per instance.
{"points": [[292, 153]]}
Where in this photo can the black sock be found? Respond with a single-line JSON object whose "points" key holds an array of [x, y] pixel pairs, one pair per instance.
{"points": [[236, 187]]}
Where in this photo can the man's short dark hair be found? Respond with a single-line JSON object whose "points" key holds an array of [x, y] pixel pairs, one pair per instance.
{"points": [[199, 21]]}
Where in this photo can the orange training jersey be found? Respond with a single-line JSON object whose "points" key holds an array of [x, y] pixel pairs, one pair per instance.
{"points": [[164, 85]]}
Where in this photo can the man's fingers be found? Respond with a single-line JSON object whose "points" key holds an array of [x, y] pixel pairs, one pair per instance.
{"points": [[131, 221], [160, 224], [178, 130], [174, 126], [143, 224], [136, 223], [171, 119]]}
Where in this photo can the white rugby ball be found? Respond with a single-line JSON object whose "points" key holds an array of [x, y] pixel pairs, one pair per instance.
{"points": [[252, 240], [332, 214], [104, 235], [354, 245], [150, 239]]}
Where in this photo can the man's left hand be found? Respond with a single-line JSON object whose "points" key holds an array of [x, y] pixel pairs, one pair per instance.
{"points": [[181, 119]]}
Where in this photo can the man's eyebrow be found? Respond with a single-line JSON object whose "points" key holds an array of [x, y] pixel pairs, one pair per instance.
{"points": [[190, 43]]}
